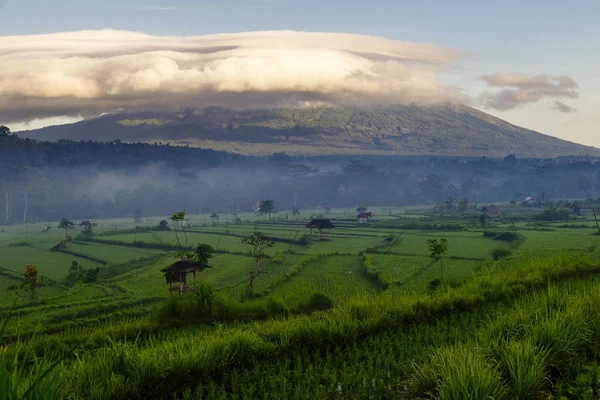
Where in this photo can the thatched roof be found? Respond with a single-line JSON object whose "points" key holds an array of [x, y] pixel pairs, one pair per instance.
{"points": [[320, 224], [185, 266]]}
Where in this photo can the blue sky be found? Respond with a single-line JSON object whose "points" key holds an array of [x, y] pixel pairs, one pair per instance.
{"points": [[527, 37]]}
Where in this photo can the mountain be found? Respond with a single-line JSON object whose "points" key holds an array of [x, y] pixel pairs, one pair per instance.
{"points": [[450, 130]]}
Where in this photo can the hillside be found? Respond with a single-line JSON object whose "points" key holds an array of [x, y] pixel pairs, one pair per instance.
{"points": [[403, 130]]}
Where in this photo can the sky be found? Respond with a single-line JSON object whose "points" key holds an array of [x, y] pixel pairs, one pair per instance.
{"points": [[533, 63]]}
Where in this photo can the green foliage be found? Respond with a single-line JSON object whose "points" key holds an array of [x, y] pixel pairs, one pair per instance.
{"points": [[266, 207], [553, 214], [458, 373], [316, 302], [500, 253], [163, 226], [203, 253]]}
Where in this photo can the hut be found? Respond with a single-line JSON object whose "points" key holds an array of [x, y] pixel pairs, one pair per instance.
{"points": [[575, 208], [361, 209], [364, 217], [320, 224], [177, 274]]}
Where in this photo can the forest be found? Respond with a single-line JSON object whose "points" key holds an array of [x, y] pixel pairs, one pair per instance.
{"points": [[44, 181]]}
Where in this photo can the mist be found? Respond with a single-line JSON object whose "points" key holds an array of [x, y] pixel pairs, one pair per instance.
{"points": [[160, 188]]}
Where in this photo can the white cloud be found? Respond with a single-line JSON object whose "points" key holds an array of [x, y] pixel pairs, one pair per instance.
{"points": [[85, 73]]}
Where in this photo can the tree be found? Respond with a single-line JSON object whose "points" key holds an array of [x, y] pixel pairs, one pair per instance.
{"points": [[203, 253], [295, 213], [294, 173], [29, 287], [4, 130], [138, 215], [163, 225], [75, 269], [462, 204], [66, 225], [179, 218], [88, 227], [267, 207], [8, 177], [437, 249], [258, 243]]}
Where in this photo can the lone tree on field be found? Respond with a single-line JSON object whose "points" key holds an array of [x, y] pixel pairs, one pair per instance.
{"points": [[28, 288], [66, 225], [138, 215], [259, 243], [267, 207], [88, 227], [179, 218], [438, 249], [295, 213]]}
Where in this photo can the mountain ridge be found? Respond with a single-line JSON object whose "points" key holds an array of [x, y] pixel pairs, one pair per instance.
{"points": [[449, 130]]}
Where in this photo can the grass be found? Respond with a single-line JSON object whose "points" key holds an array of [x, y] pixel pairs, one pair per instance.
{"points": [[351, 316]]}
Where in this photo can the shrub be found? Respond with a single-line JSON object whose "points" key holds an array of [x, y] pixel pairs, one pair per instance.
{"points": [[434, 284], [163, 226], [500, 253], [316, 302], [278, 259], [203, 305], [276, 307], [458, 373], [553, 214], [525, 367]]}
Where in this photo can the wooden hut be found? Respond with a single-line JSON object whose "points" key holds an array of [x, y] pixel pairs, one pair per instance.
{"points": [[575, 208], [320, 224], [177, 274], [364, 217]]}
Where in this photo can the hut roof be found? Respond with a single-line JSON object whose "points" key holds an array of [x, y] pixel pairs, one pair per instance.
{"points": [[85, 223], [320, 224], [361, 209], [186, 266]]}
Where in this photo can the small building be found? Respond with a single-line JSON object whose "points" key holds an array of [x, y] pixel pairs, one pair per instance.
{"points": [[492, 211], [177, 274], [575, 208], [364, 217], [320, 224]]}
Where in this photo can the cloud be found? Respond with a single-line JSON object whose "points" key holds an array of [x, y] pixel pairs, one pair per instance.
{"points": [[517, 90], [90, 72], [562, 107]]}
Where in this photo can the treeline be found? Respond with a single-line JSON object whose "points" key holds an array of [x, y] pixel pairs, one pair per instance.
{"points": [[42, 181]]}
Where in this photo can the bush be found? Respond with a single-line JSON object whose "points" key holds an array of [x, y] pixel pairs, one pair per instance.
{"points": [[434, 284], [276, 307], [316, 302], [203, 305], [500, 253], [553, 214], [162, 226]]}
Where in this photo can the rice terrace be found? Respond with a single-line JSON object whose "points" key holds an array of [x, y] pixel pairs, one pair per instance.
{"points": [[299, 200], [364, 310]]}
